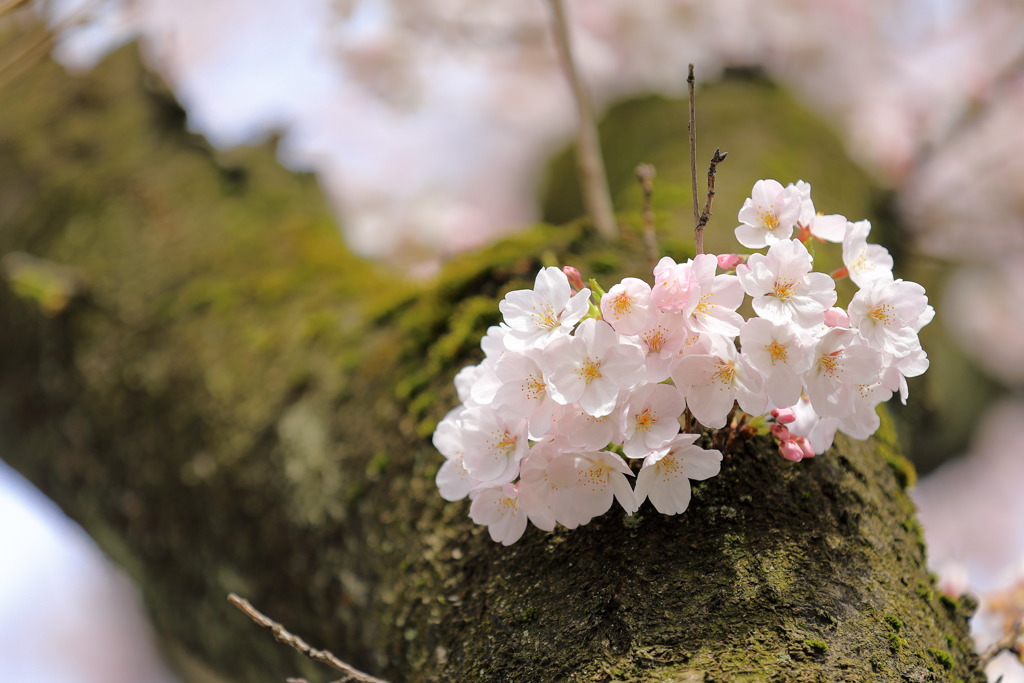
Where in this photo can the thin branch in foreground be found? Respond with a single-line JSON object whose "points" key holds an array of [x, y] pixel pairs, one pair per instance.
{"points": [[692, 128], [645, 174], [698, 235], [1012, 642], [593, 180], [350, 674]]}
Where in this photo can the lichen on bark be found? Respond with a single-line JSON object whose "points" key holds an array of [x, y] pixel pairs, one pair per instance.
{"points": [[236, 404]]}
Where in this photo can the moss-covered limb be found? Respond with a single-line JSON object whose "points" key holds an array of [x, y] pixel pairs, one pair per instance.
{"points": [[238, 405]]}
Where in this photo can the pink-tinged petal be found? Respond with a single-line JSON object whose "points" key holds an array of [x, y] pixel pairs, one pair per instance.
{"points": [[831, 228], [699, 463]]}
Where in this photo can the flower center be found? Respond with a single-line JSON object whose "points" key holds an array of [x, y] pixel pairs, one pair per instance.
{"points": [[829, 364], [534, 387], [784, 288], [506, 443], [622, 304], [646, 419], [704, 307], [778, 352], [655, 340], [882, 313], [769, 221], [724, 374], [544, 315], [668, 467], [589, 370]]}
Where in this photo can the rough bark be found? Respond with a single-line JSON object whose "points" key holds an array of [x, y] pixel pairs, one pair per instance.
{"points": [[231, 402]]}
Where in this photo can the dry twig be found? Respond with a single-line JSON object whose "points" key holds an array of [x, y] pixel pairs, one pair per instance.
{"points": [[698, 235], [692, 128], [645, 174], [593, 179], [350, 674], [1012, 642]]}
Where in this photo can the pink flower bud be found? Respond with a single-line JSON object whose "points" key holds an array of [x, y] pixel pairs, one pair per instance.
{"points": [[837, 317], [784, 415], [780, 432], [805, 446], [727, 261], [575, 279], [791, 451]]}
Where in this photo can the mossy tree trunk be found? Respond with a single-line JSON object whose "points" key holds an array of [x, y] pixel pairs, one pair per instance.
{"points": [[231, 402]]}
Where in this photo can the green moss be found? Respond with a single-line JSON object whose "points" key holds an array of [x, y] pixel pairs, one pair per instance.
{"points": [[949, 602], [925, 591], [942, 657], [816, 647], [895, 622], [896, 642]]}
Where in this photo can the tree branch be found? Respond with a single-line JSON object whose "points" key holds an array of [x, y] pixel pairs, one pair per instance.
{"points": [[593, 179], [717, 158], [645, 174], [281, 634], [692, 128]]}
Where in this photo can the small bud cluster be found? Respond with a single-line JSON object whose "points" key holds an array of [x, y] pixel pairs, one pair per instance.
{"points": [[577, 383]]}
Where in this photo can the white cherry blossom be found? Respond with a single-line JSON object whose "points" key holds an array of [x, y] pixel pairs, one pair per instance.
{"points": [[548, 311], [718, 298], [783, 288], [498, 508], [592, 367], [523, 392], [712, 382], [864, 262], [586, 432], [887, 312], [768, 215], [661, 342], [493, 444], [629, 306], [842, 361], [600, 478], [651, 418], [453, 480], [546, 482], [780, 354], [666, 474], [831, 228]]}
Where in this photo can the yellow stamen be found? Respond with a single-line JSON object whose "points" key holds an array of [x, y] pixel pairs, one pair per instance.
{"points": [[777, 351], [829, 364], [544, 315], [882, 313], [589, 370], [655, 339], [622, 304], [784, 288], [534, 387], [646, 419], [725, 373], [704, 307], [768, 219]]}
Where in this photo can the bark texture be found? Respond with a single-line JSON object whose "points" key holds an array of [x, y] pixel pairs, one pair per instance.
{"points": [[229, 401]]}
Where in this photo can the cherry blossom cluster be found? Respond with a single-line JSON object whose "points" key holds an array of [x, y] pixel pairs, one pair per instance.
{"points": [[578, 384]]}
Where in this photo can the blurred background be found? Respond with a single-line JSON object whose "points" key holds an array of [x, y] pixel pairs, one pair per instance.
{"points": [[436, 126]]}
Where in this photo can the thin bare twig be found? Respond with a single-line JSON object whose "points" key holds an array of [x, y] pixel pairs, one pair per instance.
{"points": [[11, 5], [692, 127], [698, 235], [1012, 641], [593, 179], [350, 674], [645, 174]]}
